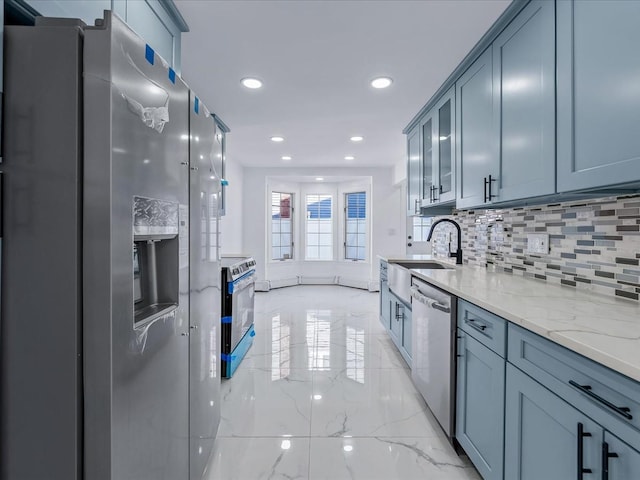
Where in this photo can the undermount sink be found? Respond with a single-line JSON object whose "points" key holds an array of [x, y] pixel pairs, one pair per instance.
{"points": [[424, 265]]}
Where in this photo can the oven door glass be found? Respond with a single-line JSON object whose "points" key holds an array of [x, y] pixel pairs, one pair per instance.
{"points": [[242, 307]]}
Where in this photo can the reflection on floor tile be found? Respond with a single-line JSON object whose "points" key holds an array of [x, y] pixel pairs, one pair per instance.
{"points": [[386, 458], [259, 458], [369, 403], [324, 393], [257, 404]]}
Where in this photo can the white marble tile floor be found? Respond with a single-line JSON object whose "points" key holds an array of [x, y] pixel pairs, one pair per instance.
{"points": [[324, 394]]}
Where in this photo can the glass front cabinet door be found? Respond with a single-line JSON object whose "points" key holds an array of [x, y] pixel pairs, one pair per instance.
{"points": [[438, 163]]}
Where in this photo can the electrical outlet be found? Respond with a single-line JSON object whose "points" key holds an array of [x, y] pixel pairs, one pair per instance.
{"points": [[538, 243]]}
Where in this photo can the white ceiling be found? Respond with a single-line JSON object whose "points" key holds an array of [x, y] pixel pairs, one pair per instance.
{"points": [[316, 59]]}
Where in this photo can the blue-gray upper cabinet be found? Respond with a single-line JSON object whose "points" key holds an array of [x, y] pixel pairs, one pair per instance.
{"points": [[414, 173], [438, 152], [545, 437], [480, 405], [158, 22], [622, 461], [476, 145], [598, 95], [524, 103], [427, 160]]}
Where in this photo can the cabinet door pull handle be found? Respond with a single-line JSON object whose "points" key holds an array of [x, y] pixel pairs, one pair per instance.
{"points": [[581, 435], [606, 455], [485, 190], [472, 322], [490, 182], [586, 389]]}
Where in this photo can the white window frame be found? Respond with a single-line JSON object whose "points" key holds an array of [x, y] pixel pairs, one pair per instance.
{"points": [[292, 195], [367, 241], [306, 225]]}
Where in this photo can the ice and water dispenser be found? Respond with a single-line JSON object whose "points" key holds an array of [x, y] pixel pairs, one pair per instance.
{"points": [[155, 258]]}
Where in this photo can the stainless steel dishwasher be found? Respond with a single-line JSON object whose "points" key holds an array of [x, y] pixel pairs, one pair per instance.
{"points": [[433, 365]]}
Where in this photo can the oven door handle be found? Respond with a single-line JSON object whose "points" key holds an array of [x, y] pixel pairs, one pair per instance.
{"points": [[242, 282]]}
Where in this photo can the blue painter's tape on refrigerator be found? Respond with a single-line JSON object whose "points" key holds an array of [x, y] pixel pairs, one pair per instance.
{"points": [[149, 54], [233, 360], [224, 182], [227, 319], [172, 75], [196, 105]]}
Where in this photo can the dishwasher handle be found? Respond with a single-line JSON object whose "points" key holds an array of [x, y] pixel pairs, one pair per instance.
{"points": [[430, 302]]}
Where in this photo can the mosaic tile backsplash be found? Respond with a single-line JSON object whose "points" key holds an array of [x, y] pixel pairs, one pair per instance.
{"points": [[594, 244]]}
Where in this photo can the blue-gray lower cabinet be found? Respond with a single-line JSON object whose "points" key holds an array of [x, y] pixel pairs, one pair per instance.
{"points": [[545, 437], [400, 326], [385, 305], [480, 406], [622, 461], [406, 333], [397, 314], [598, 114]]}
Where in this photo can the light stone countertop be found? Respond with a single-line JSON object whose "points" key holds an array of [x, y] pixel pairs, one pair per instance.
{"points": [[604, 329]]}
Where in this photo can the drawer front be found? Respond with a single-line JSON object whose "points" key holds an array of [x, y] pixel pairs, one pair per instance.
{"points": [[608, 397], [487, 328]]}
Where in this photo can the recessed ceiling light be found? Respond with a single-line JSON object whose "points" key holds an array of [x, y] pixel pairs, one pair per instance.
{"points": [[286, 157], [349, 157], [381, 82], [356, 138], [251, 83], [348, 448], [319, 179], [277, 139]]}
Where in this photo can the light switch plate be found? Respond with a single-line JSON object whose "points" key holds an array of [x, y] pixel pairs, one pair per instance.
{"points": [[538, 243]]}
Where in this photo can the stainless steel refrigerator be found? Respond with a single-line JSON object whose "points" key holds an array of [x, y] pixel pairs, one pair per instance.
{"points": [[110, 328]]}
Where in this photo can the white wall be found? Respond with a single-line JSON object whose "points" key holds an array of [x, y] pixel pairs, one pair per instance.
{"points": [[387, 223], [231, 223]]}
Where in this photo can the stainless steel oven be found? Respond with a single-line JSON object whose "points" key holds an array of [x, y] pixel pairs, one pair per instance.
{"points": [[238, 291]]}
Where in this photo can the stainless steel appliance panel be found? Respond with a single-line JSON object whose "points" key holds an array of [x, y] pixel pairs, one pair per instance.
{"points": [[433, 350], [136, 144], [41, 335], [204, 287], [242, 306]]}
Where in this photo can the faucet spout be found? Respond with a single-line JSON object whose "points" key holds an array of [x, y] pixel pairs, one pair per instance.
{"points": [[458, 253]]}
